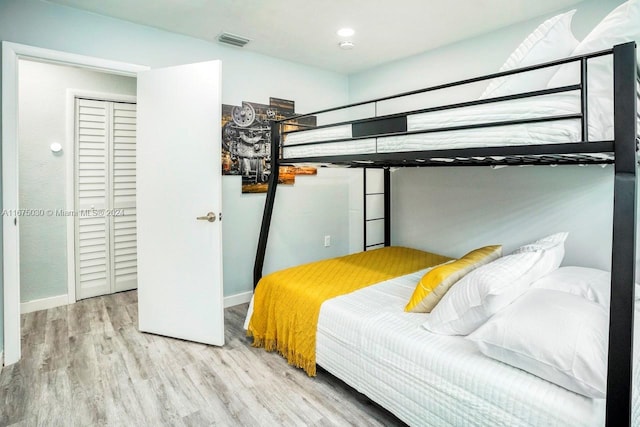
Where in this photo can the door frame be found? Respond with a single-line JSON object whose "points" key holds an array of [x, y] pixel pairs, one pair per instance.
{"points": [[11, 53], [72, 95]]}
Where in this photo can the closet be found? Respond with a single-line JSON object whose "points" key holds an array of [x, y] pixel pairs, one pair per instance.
{"points": [[105, 197]]}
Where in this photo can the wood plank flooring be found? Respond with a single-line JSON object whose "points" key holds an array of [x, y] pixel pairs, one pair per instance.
{"points": [[86, 364]]}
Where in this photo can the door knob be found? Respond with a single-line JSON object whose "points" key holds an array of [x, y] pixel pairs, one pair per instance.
{"points": [[211, 217]]}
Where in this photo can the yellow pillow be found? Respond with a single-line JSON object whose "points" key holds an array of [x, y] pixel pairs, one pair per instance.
{"points": [[433, 285]]}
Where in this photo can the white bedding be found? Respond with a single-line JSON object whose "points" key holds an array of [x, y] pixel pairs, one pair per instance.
{"points": [[534, 133], [366, 339]]}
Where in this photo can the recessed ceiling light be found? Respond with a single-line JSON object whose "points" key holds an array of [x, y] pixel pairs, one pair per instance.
{"points": [[346, 45], [346, 32]]}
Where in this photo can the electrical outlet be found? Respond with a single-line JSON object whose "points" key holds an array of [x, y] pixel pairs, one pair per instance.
{"points": [[327, 241]]}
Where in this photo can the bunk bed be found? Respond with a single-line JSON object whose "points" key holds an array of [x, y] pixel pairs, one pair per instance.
{"points": [[444, 135]]}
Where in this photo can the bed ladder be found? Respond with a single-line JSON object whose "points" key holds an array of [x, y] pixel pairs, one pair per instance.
{"points": [[376, 188]]}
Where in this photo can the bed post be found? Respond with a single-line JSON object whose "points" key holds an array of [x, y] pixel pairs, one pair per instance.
{"points": [[364, 209], [268, 204], [620, 363], [387, 207]]}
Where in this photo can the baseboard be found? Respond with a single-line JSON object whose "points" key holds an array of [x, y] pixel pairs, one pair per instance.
{"points": [[43, 303], [237, 299], [57, 301]]}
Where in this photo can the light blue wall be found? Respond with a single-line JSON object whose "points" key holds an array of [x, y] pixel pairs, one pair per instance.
{"points": [[245, 76], [453, 210], [474, 57]]}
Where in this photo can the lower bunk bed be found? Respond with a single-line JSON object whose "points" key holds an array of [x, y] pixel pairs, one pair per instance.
{"points": [[365, 337]]}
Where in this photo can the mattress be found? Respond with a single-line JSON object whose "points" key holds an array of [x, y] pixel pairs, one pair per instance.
{"points": [[367, 340], [553, 132]]}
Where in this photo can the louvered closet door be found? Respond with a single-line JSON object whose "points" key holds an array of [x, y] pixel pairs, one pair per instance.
{"points": [[123, 201], [105, 198], [92, 231]]}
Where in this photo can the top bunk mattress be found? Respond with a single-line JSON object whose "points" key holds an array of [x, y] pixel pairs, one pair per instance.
{"points": [[366, 339], [337, 139]]}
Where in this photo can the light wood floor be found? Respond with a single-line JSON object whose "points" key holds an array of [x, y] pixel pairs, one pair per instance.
{"points": [[87, 365]]}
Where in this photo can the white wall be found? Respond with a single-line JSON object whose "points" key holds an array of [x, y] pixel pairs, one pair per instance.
{"points": [[453, 210], [245, 76], [43, 174], [316, 206], [475, 57]]}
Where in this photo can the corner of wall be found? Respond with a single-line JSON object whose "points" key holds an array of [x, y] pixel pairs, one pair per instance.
{"points": [[1, 239]]}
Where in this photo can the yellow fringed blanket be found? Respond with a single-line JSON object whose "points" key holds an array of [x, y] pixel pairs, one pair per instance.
{"points": [[286, 304]]}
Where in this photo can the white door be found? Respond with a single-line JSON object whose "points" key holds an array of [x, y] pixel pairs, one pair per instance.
{"points": [[91, 180], [122, 218], [105, 179], [178, 154]]}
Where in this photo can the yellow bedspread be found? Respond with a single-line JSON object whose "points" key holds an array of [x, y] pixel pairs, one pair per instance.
{"points": [[286, 304]]}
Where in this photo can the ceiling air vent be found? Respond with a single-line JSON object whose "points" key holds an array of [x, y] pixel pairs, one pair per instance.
{"points": [[233, 40]]}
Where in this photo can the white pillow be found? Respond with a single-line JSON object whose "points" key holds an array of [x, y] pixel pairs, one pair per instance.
{"points": [[554, 335], [553, 246], [590, 283], [552, 39], [619, 26], [491, 287]]}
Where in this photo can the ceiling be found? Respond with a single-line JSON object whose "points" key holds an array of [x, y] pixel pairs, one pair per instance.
{"points": [[305, 31]]}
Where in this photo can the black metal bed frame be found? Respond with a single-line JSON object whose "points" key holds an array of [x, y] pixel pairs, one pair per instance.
{"points": [[621, 152]]}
